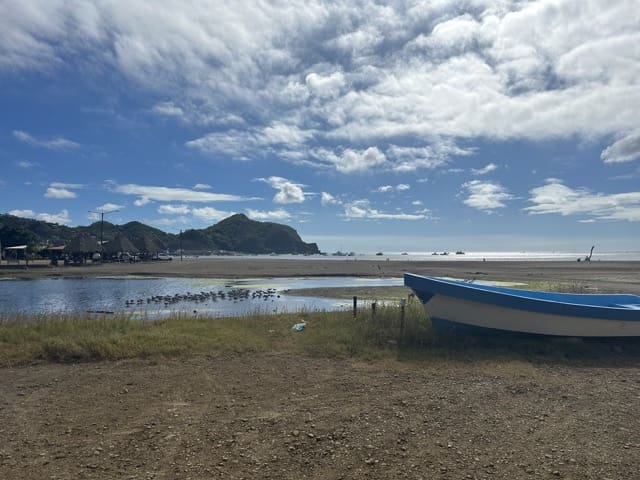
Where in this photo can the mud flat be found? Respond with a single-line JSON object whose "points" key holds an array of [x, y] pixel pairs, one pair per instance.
{"points": [[600, 276]]}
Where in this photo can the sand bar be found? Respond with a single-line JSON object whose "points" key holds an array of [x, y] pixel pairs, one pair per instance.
{"points": [[601, 276]]}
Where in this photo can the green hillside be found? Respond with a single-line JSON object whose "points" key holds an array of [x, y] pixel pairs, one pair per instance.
{"points": [[234, 234]]}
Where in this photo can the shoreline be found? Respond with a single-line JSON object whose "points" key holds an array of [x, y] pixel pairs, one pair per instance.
{"points": [[599, 276]]}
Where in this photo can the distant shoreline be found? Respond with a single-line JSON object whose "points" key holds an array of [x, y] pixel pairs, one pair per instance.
{"points": [[604, 276]]}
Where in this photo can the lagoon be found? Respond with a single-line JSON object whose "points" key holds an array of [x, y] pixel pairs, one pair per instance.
{"points": [[140, 296]]}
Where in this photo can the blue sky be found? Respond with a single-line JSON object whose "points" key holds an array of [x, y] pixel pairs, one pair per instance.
{"points": [[404, 126]]}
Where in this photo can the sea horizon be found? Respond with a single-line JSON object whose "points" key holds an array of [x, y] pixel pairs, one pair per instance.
{"points": [[453, 256]]}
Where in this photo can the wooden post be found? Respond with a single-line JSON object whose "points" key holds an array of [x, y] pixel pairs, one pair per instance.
{"points": [[402, 304], [355, 306], [373, 309]]}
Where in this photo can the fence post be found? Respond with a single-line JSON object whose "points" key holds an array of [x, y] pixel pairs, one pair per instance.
{"points": [[355, 306], [402, 304], [373, 309]]}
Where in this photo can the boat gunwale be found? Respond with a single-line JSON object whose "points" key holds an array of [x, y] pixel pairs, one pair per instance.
{"points": [[512, 298]]}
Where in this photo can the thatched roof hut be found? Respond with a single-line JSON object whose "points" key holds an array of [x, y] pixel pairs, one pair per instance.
{"points": [[82, 244], [120, 244], [150, 245]]}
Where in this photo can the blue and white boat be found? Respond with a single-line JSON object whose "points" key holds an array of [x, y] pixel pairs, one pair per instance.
{"points": [[458, 306]]}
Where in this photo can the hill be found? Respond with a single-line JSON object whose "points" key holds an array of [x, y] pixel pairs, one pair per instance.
{"points": [[234, 234]]}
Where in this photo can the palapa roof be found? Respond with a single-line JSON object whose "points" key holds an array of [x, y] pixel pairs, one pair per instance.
{"points": [[83, 243], [120, 243], [150, 244]]}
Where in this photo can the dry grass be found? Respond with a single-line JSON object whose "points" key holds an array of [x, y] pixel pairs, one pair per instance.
{"points": [[383, 334]]}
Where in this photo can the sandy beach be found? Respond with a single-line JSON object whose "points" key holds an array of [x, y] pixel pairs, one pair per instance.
{"points": [[598, 276]]}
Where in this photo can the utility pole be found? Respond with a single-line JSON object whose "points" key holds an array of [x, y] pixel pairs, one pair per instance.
{"points": [[102, 214], [180, 244]]}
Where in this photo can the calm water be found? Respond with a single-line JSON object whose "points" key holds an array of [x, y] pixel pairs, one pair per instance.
{"points": [[467, 256], [164, 296]]}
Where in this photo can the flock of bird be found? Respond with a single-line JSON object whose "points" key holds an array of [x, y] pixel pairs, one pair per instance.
{"points": [[233, 294]]}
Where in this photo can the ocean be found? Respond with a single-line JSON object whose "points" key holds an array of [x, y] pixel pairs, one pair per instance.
{"points": [[466, 256]]}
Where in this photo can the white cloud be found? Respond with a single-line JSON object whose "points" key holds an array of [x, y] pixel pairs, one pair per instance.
{"points": [[458, 33], [174, 209], [26, 213], [362, 209], [61, 218], [556, 198], [168, 109], [106, 208], [484, 170], [288, 192], [109, 207], [326, 86], [328, 199], [209, 214], [282, 133], [339, 76], [168, 194], [390, 188], [60, 190], [56, 143], [486, 196], [26, 164], [279, 214], [358, 161], [252, 143], [437, 154], [626, 149], [59, 193], [185, 212], [202, 186]]}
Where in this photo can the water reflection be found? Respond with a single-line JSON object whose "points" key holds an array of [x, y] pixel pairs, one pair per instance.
{"points": [[165, 296]]}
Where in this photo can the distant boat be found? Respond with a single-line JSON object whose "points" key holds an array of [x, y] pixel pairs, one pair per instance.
{"points": [[459, 252], [463, 306], [404, 253], [379, 254]]}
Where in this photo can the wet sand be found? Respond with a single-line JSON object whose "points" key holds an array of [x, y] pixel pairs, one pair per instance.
{"points": [[597, 276]]}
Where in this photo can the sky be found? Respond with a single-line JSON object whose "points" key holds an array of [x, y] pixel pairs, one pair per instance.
{"points": [[366, 126]]}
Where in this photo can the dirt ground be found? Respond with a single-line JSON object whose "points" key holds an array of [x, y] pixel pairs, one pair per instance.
{"points": [[289, 417]]}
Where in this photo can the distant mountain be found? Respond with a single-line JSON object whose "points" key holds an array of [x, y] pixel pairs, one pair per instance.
{"points": [[239, 233], [234, 234]]}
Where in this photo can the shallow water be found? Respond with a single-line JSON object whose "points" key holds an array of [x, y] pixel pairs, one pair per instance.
{"points": [[165, 296]]}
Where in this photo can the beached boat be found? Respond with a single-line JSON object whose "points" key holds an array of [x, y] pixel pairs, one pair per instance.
{"points": [[465, 306]]}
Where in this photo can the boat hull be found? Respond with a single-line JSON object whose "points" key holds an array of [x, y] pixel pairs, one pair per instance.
{"points": [[466, 307]]}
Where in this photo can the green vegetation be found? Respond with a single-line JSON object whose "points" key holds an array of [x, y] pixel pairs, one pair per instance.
{"points": [[379, 335], [234, 234]]}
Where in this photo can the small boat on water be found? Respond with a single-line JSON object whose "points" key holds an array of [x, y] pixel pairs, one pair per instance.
{"points": [[461, 306]]}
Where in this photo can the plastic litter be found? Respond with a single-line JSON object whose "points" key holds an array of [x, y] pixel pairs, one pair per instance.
{"points": [[298, 327]]}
